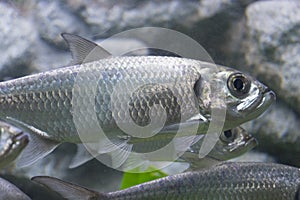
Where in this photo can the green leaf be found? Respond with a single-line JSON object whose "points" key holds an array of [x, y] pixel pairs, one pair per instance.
{"points": [[131, 179]]}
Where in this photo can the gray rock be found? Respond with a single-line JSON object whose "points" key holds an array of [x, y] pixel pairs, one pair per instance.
{"points": [[53, 18], [17, 35], [108, 17], [277, 132], [272, 47], [47, 57]]}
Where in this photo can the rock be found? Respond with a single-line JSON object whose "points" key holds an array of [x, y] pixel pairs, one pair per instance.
{"points": [[206, 21], [47, 57], [108, 17], [53, 18], [17, 35], [272, 47], [277, 132]]}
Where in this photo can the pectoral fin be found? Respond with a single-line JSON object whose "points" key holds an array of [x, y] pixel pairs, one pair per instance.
{"points": [[38, 147], [67, 190], [82, 156], [120, 155]]}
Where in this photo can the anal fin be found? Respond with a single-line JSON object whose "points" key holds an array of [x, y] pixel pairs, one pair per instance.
{"points": [[67, 190], [38, 147]]}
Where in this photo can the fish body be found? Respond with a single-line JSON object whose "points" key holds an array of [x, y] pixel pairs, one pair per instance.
{"points": [[123, 96], [10, 191], [232, 143], [226, 181]]}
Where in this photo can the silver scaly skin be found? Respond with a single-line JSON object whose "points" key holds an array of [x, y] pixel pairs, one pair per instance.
{"points": [[232, 143], [11, 144], [44, 104], [251, 181], [10, 191]]}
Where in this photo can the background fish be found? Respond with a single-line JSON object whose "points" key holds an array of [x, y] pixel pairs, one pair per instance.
{"points": [[10, 191], [232, 143], [226, 181], [57, 105], [11, 144]]}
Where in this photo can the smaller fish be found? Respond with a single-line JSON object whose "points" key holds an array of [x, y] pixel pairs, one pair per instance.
{"points": [[226, 181], [232, 143], [12, 144], [11, 192]]}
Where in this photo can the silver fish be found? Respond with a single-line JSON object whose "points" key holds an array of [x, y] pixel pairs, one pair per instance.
{"points": [[226, 181], [11, 143], [232, 143], [59, 105], [10, 191]]}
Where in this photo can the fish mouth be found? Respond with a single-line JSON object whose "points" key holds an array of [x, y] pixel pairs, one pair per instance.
{"points": [[245, 145], [251, 143], [268, 97]]}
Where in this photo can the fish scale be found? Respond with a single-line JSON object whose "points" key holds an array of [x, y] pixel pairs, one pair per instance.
{"points": [[234, 181], [46, 100], [227, 181]]}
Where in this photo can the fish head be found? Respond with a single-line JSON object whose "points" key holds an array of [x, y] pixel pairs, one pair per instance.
{"points": [[233, 143], [246, 98], [12, 144], [242, 97]]}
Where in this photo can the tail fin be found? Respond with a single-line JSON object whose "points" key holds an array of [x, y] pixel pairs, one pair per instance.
{"points": [[68, 190]]}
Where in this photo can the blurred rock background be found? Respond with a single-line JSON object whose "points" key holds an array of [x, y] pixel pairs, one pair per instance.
{"points": [[261, 38]]}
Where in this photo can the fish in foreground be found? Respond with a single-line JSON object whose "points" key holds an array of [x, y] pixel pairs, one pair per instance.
{"points": [[232, 143], [10, 191], [59, 105], [226, 181], [11, 144]]}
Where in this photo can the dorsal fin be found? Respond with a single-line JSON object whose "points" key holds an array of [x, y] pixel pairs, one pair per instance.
{"points": [[83, 50]]}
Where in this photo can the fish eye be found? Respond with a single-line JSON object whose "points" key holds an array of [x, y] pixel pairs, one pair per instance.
{"points": [[238, 84], [227, 136]]}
